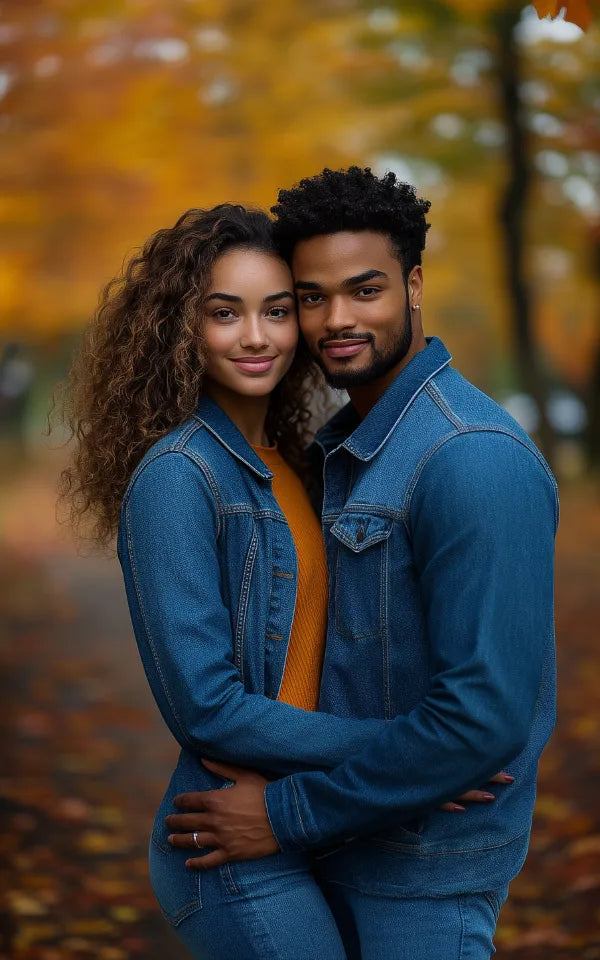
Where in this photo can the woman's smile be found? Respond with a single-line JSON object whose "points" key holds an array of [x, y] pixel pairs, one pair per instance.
{"points": [[254, 366]]}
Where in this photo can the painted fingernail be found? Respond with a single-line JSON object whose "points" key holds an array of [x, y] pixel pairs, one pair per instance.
{"points": [[457, 807], [170, 838], [507, 778], [488, 796]]}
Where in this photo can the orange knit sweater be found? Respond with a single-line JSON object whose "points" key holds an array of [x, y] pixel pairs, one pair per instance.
{"points": [[302, 673]]}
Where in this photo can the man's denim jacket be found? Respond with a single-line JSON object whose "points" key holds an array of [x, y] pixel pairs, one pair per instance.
{"points": [[210, 573], [439, 516]]}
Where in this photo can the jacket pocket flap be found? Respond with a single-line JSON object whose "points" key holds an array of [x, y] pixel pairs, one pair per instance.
{"points": [[361, 530]]}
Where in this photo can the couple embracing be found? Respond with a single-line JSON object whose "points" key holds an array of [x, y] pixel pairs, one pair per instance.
{"points": [[348, 640]]}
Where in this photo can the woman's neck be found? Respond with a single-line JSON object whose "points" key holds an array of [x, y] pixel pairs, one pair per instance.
{"points": [[247, 413]]}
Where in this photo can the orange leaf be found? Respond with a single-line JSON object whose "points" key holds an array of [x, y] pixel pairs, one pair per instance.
{"points": [[547, 8], [576, 11]]}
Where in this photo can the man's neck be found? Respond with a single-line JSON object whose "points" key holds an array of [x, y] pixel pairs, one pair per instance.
{"points": [[365, 397]]}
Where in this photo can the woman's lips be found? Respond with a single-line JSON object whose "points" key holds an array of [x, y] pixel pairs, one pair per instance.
{"points": [[344, 348], [253, 365]]}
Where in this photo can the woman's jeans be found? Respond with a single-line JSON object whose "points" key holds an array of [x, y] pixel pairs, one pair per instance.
{"points": [[274, 909]]}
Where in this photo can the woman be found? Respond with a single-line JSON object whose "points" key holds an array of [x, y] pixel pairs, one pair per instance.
{"points": [[191, 412]]}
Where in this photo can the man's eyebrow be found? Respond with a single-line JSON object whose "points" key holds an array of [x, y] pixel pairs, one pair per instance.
{"points": [[282, 295], [350, 282], [229, 297], [307, 285], [363, 278]]}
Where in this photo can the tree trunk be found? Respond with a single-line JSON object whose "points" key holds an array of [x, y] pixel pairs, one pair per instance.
{"points": [[512, 214]]}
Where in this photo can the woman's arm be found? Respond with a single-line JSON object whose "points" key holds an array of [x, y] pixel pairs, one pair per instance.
{"points": [[169, 555]]}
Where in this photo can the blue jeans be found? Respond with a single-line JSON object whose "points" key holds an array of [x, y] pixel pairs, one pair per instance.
{"points": [[378, 927], [274, 909], [269, 909]]}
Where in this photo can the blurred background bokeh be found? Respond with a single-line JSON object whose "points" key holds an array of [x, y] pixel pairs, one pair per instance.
{"points": [[117, 115]]}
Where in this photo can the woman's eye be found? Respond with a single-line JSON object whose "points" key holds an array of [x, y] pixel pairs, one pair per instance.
{"points": [[278, 313], [224, 313]]}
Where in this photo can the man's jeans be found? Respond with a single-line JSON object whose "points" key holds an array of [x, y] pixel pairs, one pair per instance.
{"points": [[460, 927], [274, 909]]}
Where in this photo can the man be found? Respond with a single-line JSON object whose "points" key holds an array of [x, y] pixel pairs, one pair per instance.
{"points": [[439, 516]]}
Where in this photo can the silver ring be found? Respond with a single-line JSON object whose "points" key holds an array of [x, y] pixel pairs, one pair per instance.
{"points": [[195, 839]]}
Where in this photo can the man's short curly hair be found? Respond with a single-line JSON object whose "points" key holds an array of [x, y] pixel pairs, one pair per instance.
{"points": [[353, 199]]}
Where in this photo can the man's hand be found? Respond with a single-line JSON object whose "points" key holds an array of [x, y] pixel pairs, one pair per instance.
{"points": [[233, 820]]}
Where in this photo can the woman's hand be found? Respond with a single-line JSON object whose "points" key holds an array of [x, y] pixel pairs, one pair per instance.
{"points": [[477, 796]]}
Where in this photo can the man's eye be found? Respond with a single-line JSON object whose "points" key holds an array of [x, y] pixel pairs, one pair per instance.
{"points": [[368, 291], [311, 298]]}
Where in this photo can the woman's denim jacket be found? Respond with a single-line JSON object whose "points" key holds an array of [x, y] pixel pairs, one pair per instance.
{"points": [[210, 572], [439, 516]]}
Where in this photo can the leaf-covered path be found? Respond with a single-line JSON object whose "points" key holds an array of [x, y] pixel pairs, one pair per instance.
{"points": [[85, 757]]}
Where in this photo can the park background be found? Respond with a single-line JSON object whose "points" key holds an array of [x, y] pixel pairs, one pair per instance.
{"points": [[117, 115]]}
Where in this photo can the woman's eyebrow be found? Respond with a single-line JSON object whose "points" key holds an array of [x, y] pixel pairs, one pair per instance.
{"points": [[224, 296]]}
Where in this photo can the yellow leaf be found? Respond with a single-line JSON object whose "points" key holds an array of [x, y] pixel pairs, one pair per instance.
{"points": [[124, 914]]}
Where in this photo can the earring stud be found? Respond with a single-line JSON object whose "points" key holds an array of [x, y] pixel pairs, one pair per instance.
{"points": [[416, 306]]}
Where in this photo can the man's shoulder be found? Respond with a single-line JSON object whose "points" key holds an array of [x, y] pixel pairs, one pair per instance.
{"points": [[452, 420], [466, 406]]}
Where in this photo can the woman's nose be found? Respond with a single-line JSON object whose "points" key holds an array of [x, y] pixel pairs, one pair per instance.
{"points": [[254, 334]]}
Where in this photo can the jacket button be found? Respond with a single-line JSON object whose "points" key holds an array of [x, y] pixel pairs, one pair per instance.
{"points": [[360, 536], [271, 696]]}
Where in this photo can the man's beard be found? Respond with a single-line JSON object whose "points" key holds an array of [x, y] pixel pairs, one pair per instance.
{"points": [[383, 360]]}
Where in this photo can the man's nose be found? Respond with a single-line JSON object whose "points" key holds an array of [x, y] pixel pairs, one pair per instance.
{"points": [[338, 316], [254, 335]]}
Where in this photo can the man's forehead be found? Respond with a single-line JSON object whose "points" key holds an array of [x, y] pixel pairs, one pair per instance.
{"points": [[337, 256]]}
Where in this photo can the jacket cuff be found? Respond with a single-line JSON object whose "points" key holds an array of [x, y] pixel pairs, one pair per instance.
{"points": [[293, 829]]}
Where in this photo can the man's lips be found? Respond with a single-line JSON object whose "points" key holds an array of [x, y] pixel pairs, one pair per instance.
{"points": [[253, 364], [344, 348]]}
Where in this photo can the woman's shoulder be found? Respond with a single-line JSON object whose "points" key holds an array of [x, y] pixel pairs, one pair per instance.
{"points": [[183, 455]]}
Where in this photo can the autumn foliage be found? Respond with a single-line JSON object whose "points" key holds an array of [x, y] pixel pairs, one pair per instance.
{"points": [[576, 11]]}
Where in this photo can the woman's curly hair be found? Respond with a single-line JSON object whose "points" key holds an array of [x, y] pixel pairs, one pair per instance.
{"points": [[138, 372], [353, 199]]}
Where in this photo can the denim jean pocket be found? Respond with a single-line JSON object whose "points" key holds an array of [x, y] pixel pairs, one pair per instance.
{"points": [[495, 900], [361, 575], [176, 888], [407, 835]]}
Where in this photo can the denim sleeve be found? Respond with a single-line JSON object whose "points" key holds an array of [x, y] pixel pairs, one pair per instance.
{"points": [[169, 554], [482, 521]]}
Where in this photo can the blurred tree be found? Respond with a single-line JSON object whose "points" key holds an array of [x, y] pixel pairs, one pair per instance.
{"points": [[116, 117], [513, 210], [494, 59]]}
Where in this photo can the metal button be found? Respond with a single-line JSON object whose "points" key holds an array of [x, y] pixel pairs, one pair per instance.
{"points": [[360, 536]]}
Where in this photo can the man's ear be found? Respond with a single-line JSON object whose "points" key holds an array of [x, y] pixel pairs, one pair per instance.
{"points": [[415, 287]]}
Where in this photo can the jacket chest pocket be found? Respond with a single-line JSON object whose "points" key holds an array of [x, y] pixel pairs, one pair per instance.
{"points": [[361, 575]]}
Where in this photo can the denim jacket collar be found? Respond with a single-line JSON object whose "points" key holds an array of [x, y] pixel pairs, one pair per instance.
{"points": [[218, 423], [365, 438]]}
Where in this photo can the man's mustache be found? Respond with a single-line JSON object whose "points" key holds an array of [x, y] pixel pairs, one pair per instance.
{"points": [[345, 336]]}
